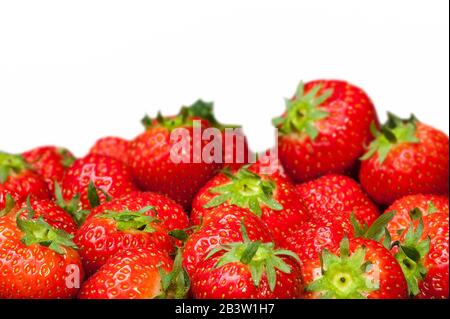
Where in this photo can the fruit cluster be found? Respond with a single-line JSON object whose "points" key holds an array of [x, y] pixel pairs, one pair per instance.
{"points": [[349, 209]]}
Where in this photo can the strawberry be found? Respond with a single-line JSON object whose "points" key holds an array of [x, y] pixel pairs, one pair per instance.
{"points": [[270, 197], [37, 260], [337, 194], [138, 220], [8, 197], [357, 268], [96, 179], [19, 179], [166, 158], [137, 274], [427, 204], [407, 157], [115, 147], [247, 269], [50, 162], [324, 129], [221, 226]]}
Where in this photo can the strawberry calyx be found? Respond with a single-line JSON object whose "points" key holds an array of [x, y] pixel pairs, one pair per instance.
{"points": [[38, 231], [412, 251], [11, 164], [129, 220], [394, 132], [67, 158], [258, 256], [377, 229], [9, 205], [303, 111], [344, 276], [246, 190], [93, 196], [72, 206], [176, 283]]}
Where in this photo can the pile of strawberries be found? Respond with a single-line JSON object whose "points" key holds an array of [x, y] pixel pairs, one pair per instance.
{"points": [[348, 209]]}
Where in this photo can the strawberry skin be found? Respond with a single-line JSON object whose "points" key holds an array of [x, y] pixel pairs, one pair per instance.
{"points": [[334, 194], [115, 147], [408, 158], [50, 162], [271, 197], [106, 173], [130, 274], [325, 128]]}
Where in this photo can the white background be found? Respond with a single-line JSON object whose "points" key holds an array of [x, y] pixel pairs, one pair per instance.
{"points": [[73, 71]]}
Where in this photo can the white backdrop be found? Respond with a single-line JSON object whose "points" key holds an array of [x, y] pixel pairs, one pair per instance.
{"points": [[73, 71]]}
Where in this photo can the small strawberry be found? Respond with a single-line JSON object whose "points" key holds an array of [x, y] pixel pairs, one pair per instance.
{"points": [[37, 260], [115, 147], [168, 156], [96, 179], [270, 197], [19, 179], [134, 221], [324, 129], [407, 157], [358, 268], [337, 194], [247, 269], [50, 162], [221, 226], [137, 274]]}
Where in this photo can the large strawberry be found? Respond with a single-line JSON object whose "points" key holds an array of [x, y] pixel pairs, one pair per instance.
{"points": [[407, 157], [115, 147], [221, 226], [270, 197], [358, 268], [168, 156], [137, 274], [324, 129], [138, 220], [337, 194], [247, 269], [50, 162], [18, 178], [37, 260], [96, 178]]}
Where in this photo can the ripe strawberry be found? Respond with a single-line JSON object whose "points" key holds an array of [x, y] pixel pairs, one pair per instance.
{"points": [[115, 147], [50, 162], [137, 274], [358, 268], [427, 204], [138, 220], [221, 226], [324, 129], [167, 157], [37, 260], [270, 197], [407, 157], [18, 178], [333, 194], [95, 172], [247, 269]]}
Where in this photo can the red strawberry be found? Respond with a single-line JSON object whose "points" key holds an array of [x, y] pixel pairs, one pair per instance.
{"points": [[136, 274], [247, 269], [271, 197], [115, 147], [50, 162], [337, 194], [138, 220], [407, 157], [8, 197], [111, 177], [221, 226], [358, 268], [36, 259], [19, 180], [324, 129], [402, 207], [167, 157]]}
